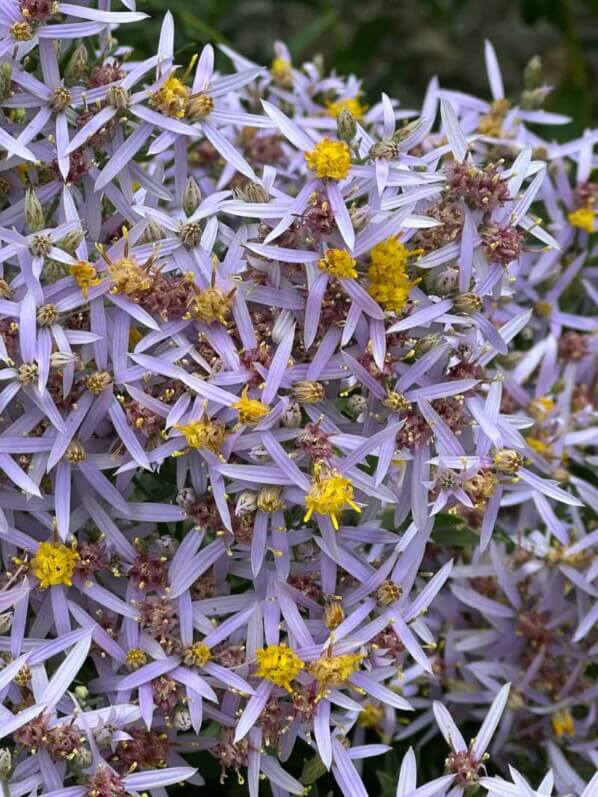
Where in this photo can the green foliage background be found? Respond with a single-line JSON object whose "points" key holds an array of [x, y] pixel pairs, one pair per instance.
{"points": [[396, 46]]}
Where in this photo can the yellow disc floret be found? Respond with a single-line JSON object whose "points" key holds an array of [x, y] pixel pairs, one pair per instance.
{"points": [[389, 283], [85, 275], [584, 218], [250, 410], [351, 104], [171, 98], [333, 671], [338, 263], [328, 494], [54, 563], [279, 665], [203, 433], [329, 159], [562, 723]]}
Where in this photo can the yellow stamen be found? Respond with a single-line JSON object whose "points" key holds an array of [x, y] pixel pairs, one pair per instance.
{"points": [[329, 159], [328, 494], [279, 665], [389, 283], [583, 218], [85, 275], [338, 263], [54, 563], [351, 104], [250, 410]]}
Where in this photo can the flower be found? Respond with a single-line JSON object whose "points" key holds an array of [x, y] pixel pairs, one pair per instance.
{"points": [[583, 218], [328, 494], [329, 159], [389, 282], [278, 664], [54, 563], [250, 410], [338, 263]]}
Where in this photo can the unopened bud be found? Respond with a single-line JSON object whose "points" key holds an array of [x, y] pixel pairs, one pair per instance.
{"points": [[269, 499], [71, 241], [5, 762], [507, 461], [77, 64], [182, 719], [58, 359], [191, 196], [532, 100], [406, 130], [346, 126], [308, 392], [291, 416], [356, 404], [5, 622], [467, 303], [34, 213], [253, 192], [152, 233], [5, 80], [246, 503], [81, 693], [532, 75]]}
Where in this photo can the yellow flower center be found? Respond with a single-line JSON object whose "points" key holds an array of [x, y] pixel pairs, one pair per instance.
{"points": [[197, 655], [539, 446], [54, 563], [329, 159], [278, 664], [136, 658], [129, 277], [562, 723], [583, 218], [338, 263], [211, 305], [371, 716], [352, 104], [171, 98], [332, 671], [203, 433], [282, 72], [250, 410], [85, 276], [389, 283], [328, 494]]}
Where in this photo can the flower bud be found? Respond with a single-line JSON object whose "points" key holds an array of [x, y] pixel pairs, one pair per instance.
{"points": [[185, 496], [5, 622], [246, 503], [269, 499], [5, 762], [152, 233], [308, 392], [77, 65], [407, 129], [532, 75], [507, 461], [253, 192], [532, 100], [467, 303], [58, 359], [333, 614], [71, 241], [291, 416], [356, 404], [34, 213], [386, 150], [346, 126], [182, 719], [446, 282], [191, 196], [81, 693], [5, 80], [425, 344]]}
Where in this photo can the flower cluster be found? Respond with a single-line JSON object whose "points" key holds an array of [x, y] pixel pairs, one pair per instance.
{"points": [[297, 423]]}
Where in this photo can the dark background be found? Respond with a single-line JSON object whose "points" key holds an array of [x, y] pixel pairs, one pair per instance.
{"points": [[397, 45]]}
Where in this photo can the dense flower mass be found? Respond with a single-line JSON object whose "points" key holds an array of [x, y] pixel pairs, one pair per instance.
{"points": [[298, 426]]}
